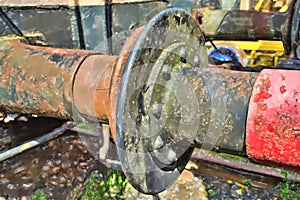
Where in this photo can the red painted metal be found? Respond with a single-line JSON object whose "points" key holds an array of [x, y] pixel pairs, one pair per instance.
{"points": [[273, 124]]}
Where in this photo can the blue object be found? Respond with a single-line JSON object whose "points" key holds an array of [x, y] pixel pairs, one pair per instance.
{"points": [[220, 57]]}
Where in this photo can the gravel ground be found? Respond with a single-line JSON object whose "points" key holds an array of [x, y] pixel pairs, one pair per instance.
{"points": [[58, 166]]}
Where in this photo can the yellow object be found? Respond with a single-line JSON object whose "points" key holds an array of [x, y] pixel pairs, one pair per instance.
{"points": [[272, 5], [260, 53], [265, 53]]}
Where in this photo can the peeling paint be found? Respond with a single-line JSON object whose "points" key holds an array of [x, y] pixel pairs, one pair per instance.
{"points": [[274, 120]]}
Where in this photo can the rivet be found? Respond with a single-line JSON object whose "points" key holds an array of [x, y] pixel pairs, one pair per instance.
{"points": [[158, 143], [171, 156], [183, 55], [196, 61], [166, 72], [157, 110]]}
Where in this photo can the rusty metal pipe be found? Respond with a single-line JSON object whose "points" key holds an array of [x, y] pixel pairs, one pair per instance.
{"points": [[39, 80], [60, 83], [224, 97], [57, 82]]}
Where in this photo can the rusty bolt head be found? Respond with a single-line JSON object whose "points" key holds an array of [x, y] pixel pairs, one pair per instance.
{"points": [[166, 72]]}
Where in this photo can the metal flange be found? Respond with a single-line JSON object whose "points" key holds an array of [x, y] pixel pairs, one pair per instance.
{"points": [[157, 108]]}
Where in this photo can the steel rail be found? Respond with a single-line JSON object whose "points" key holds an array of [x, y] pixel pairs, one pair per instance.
{"points": [[245, 167], [33, 143]]}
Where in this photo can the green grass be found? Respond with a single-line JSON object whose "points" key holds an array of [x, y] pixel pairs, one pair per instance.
{"points": [[112, 188], [247, 182], [39, 195], [289, 190], [211, 192]]}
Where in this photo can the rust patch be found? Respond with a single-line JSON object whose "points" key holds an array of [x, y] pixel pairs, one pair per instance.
{"points": [[37, 80]]}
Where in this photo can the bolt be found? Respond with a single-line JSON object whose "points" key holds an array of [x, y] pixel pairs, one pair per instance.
{"points": [[183, 55], [159, 143], [171, 156], [196, 61], [157, 110], [166, 72]]}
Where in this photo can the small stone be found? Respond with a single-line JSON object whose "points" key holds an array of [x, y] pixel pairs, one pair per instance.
{"points": [[4, 181], [65, 165], [26, 177], [234, 187], [66, 156], [27, 185], [54, 183], [191, 165], [54, 170], [19, 169], [35, 160], [10, 186], [80, 179], [186, 176], [45, 168], [83, 164], [58, 162], [62, 179], [44, 174], [22, 119], [75, 162], [8, 119], [54, 177]]}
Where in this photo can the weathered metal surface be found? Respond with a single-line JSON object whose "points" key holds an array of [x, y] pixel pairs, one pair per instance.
{"points": [[166, 99], [92, 85], [117, 76], [250, 167], [251, 25], [151, 144], [293, 28], [65, 2], [57, 25], [94, 27], [80, 24], [224, 97], [37, 80], [128, 16], [273, 124]]}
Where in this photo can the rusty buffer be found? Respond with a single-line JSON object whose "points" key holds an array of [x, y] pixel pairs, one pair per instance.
{"points": [[157, 95]]}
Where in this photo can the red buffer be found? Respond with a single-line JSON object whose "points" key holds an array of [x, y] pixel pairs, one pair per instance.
{"points": [[273, 124]]}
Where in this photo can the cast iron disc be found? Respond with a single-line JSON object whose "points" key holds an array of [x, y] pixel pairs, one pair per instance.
{"points": [[157, 111]]}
